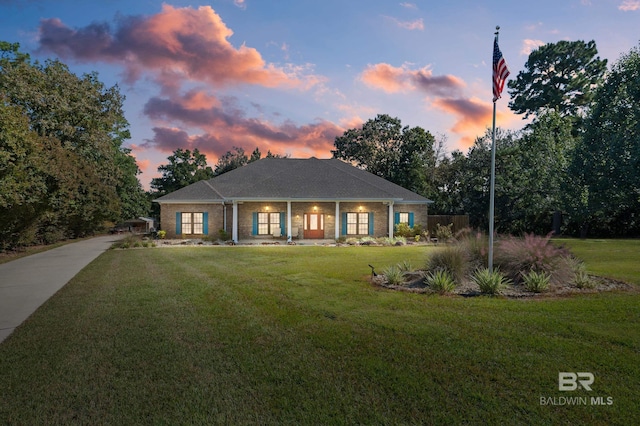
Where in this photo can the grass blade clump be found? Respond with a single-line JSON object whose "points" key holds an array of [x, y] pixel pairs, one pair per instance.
{"points": [[440, 281], [516, 256], [476, 246], [405, 266], [490, 282], [536, 282], [394, 275], [452, 259]]}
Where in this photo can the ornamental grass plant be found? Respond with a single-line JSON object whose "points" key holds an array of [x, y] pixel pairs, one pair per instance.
{"points": [[490, 282], [453, 259], [518, 256], [440, 281]]}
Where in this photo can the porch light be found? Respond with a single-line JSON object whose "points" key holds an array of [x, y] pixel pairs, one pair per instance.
{"points": [[315, 208], [267, 208]]}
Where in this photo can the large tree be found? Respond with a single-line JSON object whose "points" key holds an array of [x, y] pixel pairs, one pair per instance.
{"points": [[606, 162], [81, 128], [185, 167], [385, 148], [560, 76]]}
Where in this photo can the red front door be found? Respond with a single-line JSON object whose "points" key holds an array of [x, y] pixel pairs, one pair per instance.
{"points": [[313, 225]]}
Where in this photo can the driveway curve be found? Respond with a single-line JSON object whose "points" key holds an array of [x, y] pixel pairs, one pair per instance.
{"points": [[26, 283]]}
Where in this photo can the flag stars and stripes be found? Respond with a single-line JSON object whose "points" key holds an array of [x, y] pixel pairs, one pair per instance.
{"points": [[500, 71]]}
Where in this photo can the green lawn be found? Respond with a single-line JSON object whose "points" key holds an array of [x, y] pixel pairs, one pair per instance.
{"points": [[297, 335], [618, 259]]}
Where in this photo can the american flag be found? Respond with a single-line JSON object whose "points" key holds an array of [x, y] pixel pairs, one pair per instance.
{"points": [[500, 71]]}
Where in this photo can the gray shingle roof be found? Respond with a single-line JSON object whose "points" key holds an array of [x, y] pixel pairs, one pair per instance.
{"points": [[291, 179]]}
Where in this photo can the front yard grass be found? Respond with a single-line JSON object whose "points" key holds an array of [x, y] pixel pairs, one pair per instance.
{"points": [[297, 335], [619, 259]]}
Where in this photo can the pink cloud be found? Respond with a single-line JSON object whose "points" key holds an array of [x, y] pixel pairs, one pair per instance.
{"points": [[175, 44], [223, 125], [473, 117], [417, 24], [629, 5], [529, 45], [401, 79]]}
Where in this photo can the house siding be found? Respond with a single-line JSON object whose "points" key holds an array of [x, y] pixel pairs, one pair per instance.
{"points": [[216, 214], [420, 213], [215, 217]]}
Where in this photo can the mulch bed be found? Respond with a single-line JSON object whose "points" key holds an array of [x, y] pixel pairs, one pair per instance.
{"points": [[415, 284]]}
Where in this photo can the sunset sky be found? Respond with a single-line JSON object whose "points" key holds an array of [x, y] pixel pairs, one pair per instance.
{"points": [[291, 75]]}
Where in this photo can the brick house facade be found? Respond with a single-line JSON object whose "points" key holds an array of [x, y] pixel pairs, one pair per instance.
{"points": [[291, 198]]}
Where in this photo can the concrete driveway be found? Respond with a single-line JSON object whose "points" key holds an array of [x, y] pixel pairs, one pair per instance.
{"points": [[26, 283]]}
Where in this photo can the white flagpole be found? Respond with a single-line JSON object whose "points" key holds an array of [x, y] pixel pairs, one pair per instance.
{"points": [[493, 179]]}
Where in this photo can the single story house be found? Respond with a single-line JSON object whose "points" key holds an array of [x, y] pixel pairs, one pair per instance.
{"points": [[293, 198]]}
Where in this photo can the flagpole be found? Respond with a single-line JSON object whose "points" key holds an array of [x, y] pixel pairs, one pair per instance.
{"points": [[493, 178]]}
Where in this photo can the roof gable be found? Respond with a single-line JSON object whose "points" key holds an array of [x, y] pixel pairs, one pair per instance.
{"points": [[289, 178]]}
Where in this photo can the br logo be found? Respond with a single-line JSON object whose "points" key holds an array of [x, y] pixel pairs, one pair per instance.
{"points": [[572, 381]]}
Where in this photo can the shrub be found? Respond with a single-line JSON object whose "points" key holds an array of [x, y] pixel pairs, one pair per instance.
{"points": [[582, 280], [440, 281], [403, 230], [162, 234], [405, 266], [536, 281], [452, 259], [406, 231], [489, 282], [533, 253], [394, 275], [223, 235], [444, 233], [476, 245]]}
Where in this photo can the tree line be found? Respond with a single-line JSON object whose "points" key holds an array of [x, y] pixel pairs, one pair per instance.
{"points": [[574, 169], [64, 172]]}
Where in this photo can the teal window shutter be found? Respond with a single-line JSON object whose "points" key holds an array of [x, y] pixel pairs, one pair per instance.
{"points": [[283, 228], [254, 228], [411, 220], [371, 223], [205, 224], [178, 223], [396, 218], [344, 224]]}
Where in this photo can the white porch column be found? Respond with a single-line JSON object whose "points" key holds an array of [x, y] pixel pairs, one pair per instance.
{"points": [[391, 219], [234, 224], [337, 233], [289, 221]]}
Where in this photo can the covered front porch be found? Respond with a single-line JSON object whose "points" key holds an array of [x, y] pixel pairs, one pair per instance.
{"points": [[296, 220]]}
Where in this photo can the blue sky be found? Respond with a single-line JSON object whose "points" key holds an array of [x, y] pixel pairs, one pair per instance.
{"points": [[291, 75]]}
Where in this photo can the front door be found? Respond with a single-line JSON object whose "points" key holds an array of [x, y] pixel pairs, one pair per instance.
{"points": [[313, 225]]}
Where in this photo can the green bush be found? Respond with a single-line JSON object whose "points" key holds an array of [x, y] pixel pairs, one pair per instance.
{"points": [[536, 281], [162, 234], [406, 231], [223, 235], [405, 266], [452, 259], [490, 282], [582, 280], [440, 281], [444, 233], [394, 275]]}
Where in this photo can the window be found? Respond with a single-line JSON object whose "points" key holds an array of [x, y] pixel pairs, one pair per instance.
{"points": [[357, 223], [403, 217], [192, 223], [268, 223]]}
